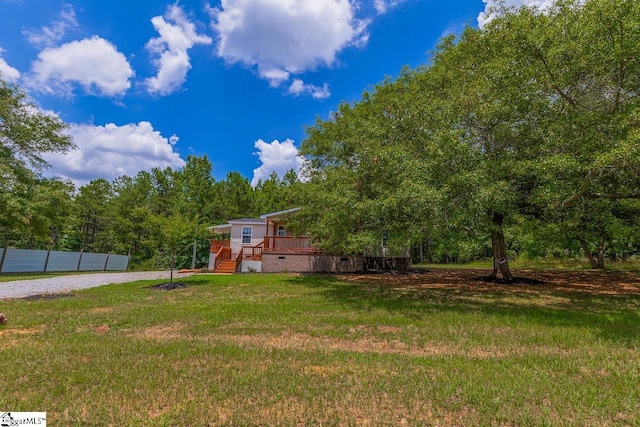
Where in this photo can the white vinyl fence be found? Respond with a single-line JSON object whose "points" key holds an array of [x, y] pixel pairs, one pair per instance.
{"points": [[33, 261]]}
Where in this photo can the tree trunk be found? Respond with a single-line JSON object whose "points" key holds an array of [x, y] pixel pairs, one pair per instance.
{"points": [[600, 255], [500, 262], [587, 253], [172, 264], [596, 262]]}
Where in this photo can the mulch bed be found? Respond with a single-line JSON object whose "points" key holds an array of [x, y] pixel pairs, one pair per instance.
{"points": [[514, 281], [39, 297], [582, 281], [169, 286]]}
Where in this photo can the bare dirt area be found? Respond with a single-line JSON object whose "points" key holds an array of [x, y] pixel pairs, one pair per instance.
{"points": [[568, 281]]}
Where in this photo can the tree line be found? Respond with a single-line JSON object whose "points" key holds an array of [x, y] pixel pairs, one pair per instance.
{"points": [[149, 216]]}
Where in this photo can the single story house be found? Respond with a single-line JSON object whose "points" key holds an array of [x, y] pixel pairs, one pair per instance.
{"points": [[265, 245]]}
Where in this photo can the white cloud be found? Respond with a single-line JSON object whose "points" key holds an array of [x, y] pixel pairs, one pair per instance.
{"points": [[383, 6], [275, 76], [276, 156], [283, 37], [93, 63], [110, 151], [493, 8], [177, 36], [49, 36], [7, 72], [298, 87]]}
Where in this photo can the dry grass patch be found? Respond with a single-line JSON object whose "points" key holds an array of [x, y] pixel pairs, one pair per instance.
{"points": [[173, 331], [368, 345], [6, 334], [99, 310]]}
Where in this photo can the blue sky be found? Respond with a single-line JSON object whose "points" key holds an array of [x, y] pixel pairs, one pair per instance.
{"points": [[143, 84]]}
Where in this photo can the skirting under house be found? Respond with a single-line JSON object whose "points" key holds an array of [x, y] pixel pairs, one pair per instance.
{"points": [[305, 263]]}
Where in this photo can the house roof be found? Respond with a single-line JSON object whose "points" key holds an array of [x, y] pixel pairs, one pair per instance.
{"points": [[220, 229], [246, 221], [279, 213], [223, 228]]}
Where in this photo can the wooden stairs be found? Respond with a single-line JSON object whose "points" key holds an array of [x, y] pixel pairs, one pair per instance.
{"points": [[226, 267]]}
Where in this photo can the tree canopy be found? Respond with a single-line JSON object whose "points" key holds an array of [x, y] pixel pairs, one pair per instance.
{"points": [[26, 134], [532, 118]]}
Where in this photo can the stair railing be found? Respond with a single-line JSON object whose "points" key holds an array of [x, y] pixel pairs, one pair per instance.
{"points": [[222, 254], [238, 260]]}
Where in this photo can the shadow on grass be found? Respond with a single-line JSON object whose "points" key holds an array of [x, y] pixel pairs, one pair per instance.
{"points": [[612, 317]]}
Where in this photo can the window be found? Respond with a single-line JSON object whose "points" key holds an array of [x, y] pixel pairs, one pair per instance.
{"points": [[282, 231], [246, 234]]}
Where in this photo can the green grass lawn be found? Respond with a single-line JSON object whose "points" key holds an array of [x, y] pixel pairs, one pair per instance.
{"points": [[257, 349]]}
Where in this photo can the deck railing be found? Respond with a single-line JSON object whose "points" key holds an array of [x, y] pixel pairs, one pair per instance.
{"points": [[288, 244], [283, 244], [221, 255], [214, 245], [253, 253]]}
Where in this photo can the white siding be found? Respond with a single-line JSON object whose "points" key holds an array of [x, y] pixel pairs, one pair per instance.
{"points": [[257, 235]]}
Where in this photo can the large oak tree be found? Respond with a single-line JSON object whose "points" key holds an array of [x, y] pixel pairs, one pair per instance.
{"points": [[529, 118]]}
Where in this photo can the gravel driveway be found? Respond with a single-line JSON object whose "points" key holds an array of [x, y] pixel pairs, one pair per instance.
{"points": [[25, 288]]}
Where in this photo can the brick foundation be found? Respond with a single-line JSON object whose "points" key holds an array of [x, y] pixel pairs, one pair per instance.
{"points": [[301, 263]]}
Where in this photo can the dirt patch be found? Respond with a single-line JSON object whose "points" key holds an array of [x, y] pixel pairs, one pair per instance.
{"points": [[169, 286], [100, 330], [403, 271], [39, 297], [562, 281]]}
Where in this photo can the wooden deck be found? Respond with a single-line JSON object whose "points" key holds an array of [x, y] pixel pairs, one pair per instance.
{"points": [[288, 244], [270, 244]]}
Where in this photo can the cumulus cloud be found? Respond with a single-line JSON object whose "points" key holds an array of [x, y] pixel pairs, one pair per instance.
{"points": [[276, 156], [493, 9], [49, 35], [110, 151], [284, 37], [298, 87], [177, 36], [93, 63], [7, 72], [383, 6]]}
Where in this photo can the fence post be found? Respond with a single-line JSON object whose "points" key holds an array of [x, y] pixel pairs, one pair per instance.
{"points": [[4, 254], [46, 262], [107, 261], [80, 259]]}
